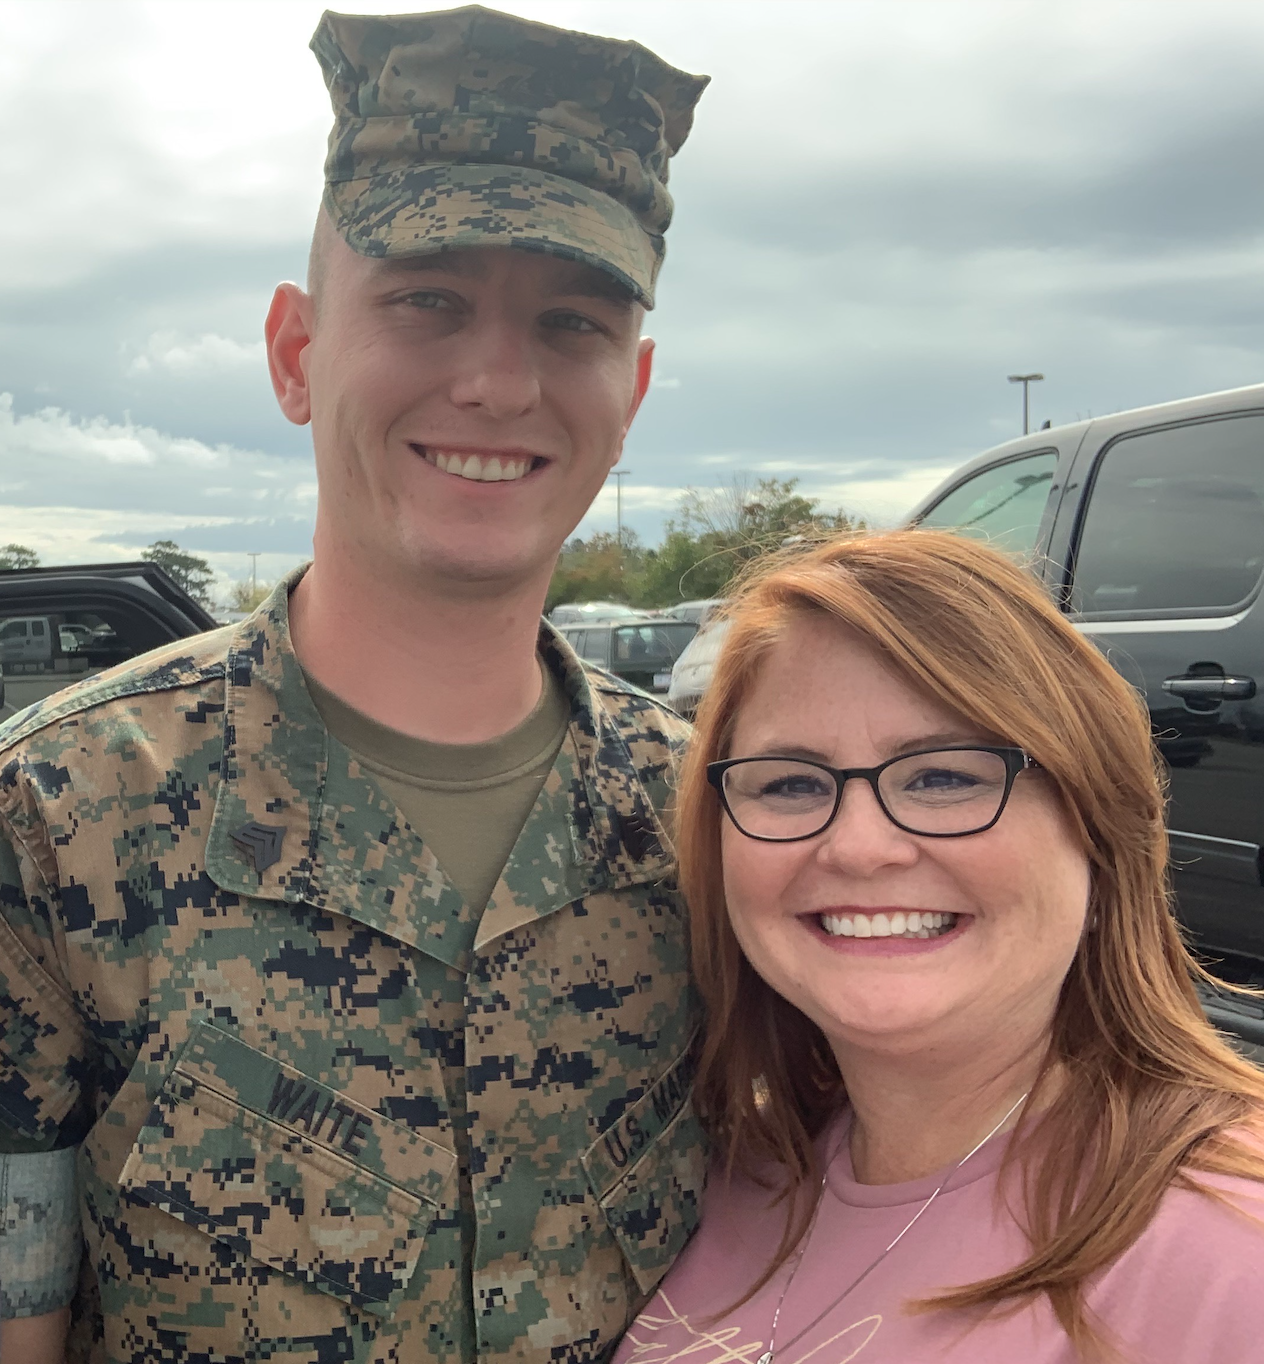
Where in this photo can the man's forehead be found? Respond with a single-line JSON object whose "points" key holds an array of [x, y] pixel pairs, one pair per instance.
{"points": [[553, 274]]}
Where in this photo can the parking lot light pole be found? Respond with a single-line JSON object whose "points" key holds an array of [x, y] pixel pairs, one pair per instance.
{"points": [[1025, 380]]}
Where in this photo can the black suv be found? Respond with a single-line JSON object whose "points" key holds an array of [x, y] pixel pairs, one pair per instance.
{"points": [[58, 625], [1149, 527], [642, 654]]}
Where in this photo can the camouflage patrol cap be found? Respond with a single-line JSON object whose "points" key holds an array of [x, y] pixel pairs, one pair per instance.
{"points": [[468, 127]]}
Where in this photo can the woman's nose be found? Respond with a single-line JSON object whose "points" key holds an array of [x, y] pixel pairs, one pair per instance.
{"points": [[862, 838]]}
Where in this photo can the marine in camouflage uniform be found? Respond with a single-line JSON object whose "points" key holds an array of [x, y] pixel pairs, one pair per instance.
{"points": [[321, 1110]]}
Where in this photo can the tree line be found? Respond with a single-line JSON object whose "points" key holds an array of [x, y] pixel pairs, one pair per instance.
{"points": [[714, 533]]}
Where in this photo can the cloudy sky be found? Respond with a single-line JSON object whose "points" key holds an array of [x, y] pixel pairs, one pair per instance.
{"points": [[883, 210]]}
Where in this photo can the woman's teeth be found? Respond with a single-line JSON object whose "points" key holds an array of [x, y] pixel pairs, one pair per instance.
{"points": [[897, 925], [479, 468]]}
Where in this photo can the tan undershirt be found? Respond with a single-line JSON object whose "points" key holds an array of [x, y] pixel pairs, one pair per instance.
{"points": [[467, 801]]}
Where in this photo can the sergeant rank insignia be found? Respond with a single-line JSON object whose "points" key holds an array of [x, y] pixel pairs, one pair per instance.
{"points": [[260, 842]]}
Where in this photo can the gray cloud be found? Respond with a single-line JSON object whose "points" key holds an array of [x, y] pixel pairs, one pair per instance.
{"points": [[884, 209]]}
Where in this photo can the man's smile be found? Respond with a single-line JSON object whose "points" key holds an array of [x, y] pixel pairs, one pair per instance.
{"points": [[481, 467]]}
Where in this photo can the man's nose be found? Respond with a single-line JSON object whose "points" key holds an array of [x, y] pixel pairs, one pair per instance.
{"points": [[495, 370], [862, 840]]}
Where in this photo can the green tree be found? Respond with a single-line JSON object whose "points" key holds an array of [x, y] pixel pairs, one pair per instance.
{"points": [[18, 556], [714, 534], [188, 571], [597, 569], [717, 531], [245, 595]]}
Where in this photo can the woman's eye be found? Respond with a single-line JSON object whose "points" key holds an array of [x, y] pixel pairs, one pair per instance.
{"points": [[792, 786], [941, 779]]}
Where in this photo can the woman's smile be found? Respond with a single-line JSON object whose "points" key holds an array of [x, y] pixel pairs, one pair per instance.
{"points": [[889, 931]]}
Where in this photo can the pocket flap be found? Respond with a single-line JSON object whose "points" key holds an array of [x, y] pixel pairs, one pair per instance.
{"points": [[647, 1171], [290, 1172]]}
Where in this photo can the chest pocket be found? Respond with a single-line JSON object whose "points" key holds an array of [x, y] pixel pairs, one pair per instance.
{"points": [[289, 1172], [647, 1172]]}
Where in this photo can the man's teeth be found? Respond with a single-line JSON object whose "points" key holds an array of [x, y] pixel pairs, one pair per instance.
{"points": [[897, 925], [478, 468]]}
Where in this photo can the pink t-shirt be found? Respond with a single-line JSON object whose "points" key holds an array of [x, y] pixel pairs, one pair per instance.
{"points": [[1189, 1291]]}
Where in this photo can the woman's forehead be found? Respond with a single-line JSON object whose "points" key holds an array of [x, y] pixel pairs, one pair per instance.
{"points": [[822, 684]]}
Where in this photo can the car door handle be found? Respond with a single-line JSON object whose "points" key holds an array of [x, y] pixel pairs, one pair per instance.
{"points": [[1211, 688]]}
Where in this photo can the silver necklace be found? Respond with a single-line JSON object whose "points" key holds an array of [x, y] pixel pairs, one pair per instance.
{"points": [[767, 1356]]}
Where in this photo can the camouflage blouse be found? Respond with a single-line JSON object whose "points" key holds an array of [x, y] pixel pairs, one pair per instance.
{"points": [[234, 976]]}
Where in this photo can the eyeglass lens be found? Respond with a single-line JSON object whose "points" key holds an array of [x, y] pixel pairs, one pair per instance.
{"points": [[953, 791]]}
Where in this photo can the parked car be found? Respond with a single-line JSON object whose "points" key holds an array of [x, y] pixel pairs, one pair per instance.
{"points": [[700, 612], [641, 653], [58, 625], [1149, 527], [25, 640], [74, 637], [693, 668], [594, 612]]}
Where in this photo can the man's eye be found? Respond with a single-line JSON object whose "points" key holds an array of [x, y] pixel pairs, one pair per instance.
{"points": [[571, 322], [426, 298]]}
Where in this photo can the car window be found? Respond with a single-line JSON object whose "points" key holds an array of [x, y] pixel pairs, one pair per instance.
{"points": [[592, 646], [1175, 521], [638, 645], [80, 640], [1002, 504]]}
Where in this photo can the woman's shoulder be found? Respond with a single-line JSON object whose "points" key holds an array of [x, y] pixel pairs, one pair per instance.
{"points": [[1191, 1281]]}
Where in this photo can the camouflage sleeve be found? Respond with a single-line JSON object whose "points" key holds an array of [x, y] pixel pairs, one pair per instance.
{"points": [[40, 1240], [45, 1046]]}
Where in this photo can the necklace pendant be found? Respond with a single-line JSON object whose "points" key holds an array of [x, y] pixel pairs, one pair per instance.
{"points": [[765, 1358]]}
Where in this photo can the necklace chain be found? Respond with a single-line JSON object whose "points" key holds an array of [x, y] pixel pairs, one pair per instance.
{"points": [[767, 1356]]}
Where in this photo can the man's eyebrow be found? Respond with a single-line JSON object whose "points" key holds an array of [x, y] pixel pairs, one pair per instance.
{"points": [[590, 283], [576, 281]]}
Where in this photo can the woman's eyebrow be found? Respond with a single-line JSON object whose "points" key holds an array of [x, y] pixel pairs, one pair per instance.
{"points": [[949, 738]]}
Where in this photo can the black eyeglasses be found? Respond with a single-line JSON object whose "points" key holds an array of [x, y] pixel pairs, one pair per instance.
{"points": [[939, 793]]}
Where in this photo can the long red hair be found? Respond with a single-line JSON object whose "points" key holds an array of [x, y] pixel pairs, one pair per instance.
{"points": [[1148, 1092]]}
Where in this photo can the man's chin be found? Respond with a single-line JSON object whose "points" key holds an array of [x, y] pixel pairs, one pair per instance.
{"points": [[479, 572]]}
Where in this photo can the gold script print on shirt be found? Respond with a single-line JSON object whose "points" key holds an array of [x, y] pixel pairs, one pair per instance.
{"points": [[722, 1346]]}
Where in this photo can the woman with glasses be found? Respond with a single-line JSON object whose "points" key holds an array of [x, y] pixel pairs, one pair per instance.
{"points": [[962, 1100]]}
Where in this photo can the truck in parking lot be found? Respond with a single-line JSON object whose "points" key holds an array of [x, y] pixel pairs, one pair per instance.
{"points": [[58, 625], [1148, 527]]}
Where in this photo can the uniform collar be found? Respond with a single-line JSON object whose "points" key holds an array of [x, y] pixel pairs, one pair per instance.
{"points": [[297, 821]]}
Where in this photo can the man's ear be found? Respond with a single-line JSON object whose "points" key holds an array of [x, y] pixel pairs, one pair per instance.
{"points": [[288, 333], [644, 368]]}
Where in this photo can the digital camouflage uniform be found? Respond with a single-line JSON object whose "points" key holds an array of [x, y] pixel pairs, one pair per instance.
{"points": [[231, 970], [323, 1111]]}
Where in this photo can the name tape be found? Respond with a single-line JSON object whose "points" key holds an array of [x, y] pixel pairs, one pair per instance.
{"points": [[293, 1102]]}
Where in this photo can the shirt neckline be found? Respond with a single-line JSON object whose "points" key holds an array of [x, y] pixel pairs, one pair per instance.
{"points": [[842, 1183]]}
